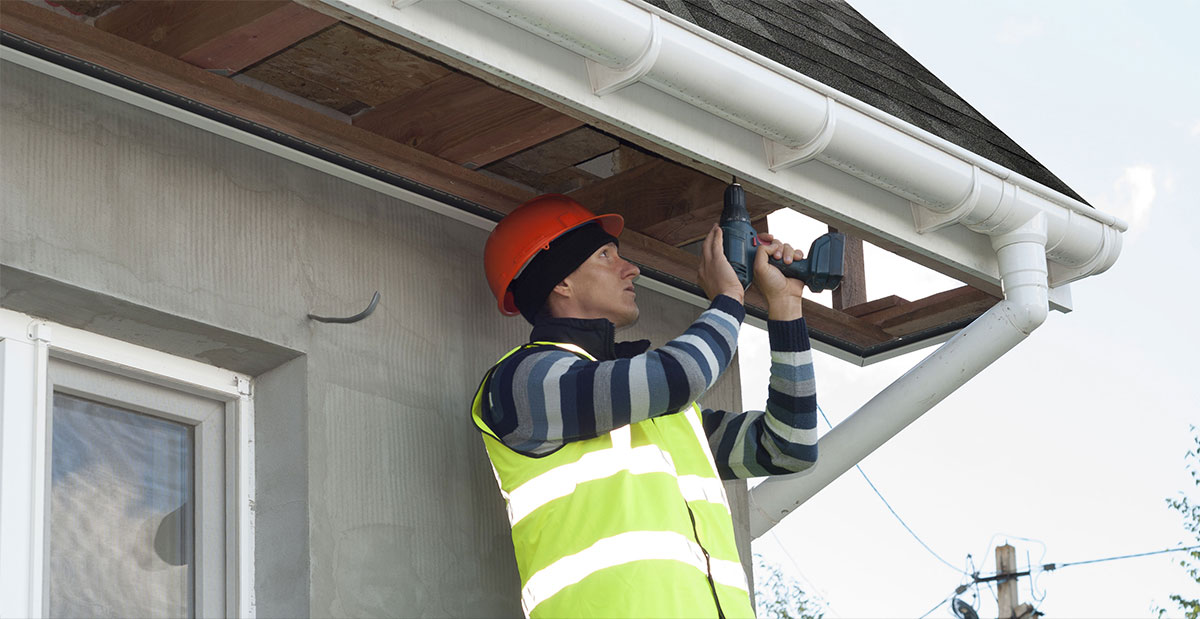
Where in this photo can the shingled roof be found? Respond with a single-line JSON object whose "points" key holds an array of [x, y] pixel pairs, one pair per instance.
{"points": [[830, 42]]}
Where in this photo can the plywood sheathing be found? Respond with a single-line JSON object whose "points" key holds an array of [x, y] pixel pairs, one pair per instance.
{"points": [[347, 69]]}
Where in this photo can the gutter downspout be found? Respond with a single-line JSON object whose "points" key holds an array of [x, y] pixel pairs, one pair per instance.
{"points": [[1022, 257]]}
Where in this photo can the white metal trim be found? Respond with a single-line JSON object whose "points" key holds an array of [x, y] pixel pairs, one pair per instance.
{"points": [[39, 333], [20, 582]]}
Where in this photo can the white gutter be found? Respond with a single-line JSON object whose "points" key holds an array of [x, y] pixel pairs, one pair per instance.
{"points": [[801, 120]]}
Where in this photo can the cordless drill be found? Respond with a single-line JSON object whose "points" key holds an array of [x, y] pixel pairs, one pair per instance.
{"points": [[821, 269]]}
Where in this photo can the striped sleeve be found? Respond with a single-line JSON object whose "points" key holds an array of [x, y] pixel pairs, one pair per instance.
{"points": [[544, 397], [782, 439]]}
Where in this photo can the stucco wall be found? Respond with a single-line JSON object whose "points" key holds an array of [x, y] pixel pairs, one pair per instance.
{"points": [[374, 494]]}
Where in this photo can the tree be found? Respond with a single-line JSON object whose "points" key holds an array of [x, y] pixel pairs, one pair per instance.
{"points": [[778, 597], [1189, 508]]}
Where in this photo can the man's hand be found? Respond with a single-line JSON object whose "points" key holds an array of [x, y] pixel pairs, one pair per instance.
{"points": [[783, 294], [716, 276]]}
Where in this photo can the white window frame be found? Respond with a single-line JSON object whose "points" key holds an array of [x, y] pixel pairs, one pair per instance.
{"points": [[26, 346]]}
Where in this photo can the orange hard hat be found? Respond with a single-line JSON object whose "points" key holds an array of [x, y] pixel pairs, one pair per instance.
{"points": [[530, 229]]}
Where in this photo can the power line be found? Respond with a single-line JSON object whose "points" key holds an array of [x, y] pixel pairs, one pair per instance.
{"points": [[939, 605], [1056, 566], [957, 591], [1053, 566], [824, 597], [890, 509]]}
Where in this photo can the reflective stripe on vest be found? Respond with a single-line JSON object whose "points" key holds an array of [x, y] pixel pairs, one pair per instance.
{"points": [[631, 470], [562, 481], [621, 549]]}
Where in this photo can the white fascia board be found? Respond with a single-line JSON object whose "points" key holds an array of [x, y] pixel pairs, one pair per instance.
{"points": [[502, 49]]}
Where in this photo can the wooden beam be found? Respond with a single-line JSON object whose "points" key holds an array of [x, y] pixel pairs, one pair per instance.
{"points": [[853, 289], [112, 52], [864, 310], [465, 120], [248, 44], [672, 203], [935, 310]]}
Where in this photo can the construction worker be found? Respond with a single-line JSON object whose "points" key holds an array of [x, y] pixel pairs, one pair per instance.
{"points": [[610, 471]]}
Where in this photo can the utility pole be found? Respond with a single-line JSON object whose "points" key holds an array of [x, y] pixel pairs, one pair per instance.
{"points": [[1006, 563]]}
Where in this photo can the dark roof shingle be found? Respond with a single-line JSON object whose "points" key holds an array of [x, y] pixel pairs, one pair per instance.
{"points": [[832, 43]]}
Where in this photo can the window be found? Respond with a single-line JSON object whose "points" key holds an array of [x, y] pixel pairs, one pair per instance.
{"points": [[125, 479]]}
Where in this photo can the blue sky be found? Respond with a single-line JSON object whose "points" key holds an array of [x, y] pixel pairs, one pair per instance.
{"points": [[1074, 439]]}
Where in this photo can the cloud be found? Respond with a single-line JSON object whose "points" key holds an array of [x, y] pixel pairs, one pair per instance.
{"points": [[1013, 31], [1196, 129], [1134, 194]]}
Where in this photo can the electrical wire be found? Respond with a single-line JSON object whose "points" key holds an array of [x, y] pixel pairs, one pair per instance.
{"points": [[957, 591], [890, 509], [939, 605], [975, 588], [821, 594], [1058, 566]]}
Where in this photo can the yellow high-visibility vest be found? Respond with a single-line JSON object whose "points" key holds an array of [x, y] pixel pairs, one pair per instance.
{"points": [[633, 523]]}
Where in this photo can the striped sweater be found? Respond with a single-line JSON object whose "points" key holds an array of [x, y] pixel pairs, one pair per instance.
{"points": [[543, 397]]}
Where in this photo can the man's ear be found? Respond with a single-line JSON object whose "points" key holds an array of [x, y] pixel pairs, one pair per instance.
{"points": [[563, 289]]}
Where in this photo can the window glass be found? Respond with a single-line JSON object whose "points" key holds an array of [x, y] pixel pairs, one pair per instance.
{"points": [[121, 529]]}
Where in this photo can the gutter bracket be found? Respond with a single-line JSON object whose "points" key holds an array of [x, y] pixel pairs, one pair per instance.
{"points": [[781, 157], [606, 80], [928, 220]]}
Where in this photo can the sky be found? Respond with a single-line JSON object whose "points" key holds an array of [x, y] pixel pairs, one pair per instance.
{"points": [[1068, 446]]}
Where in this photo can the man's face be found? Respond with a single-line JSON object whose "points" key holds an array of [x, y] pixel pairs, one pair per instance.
{"points": [[602, 287]]}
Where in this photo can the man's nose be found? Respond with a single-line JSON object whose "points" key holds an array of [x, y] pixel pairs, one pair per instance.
{"points": [[631, 270]]}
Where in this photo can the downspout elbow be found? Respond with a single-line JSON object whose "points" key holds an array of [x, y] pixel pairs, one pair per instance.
{"points": [[1021, 255]]}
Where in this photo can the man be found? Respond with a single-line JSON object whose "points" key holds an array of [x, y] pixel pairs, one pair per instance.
{"points": [[604, 460]]}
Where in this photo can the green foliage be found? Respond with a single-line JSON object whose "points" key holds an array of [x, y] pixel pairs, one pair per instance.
{"points": [[1189, 508], [779, 597]]}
